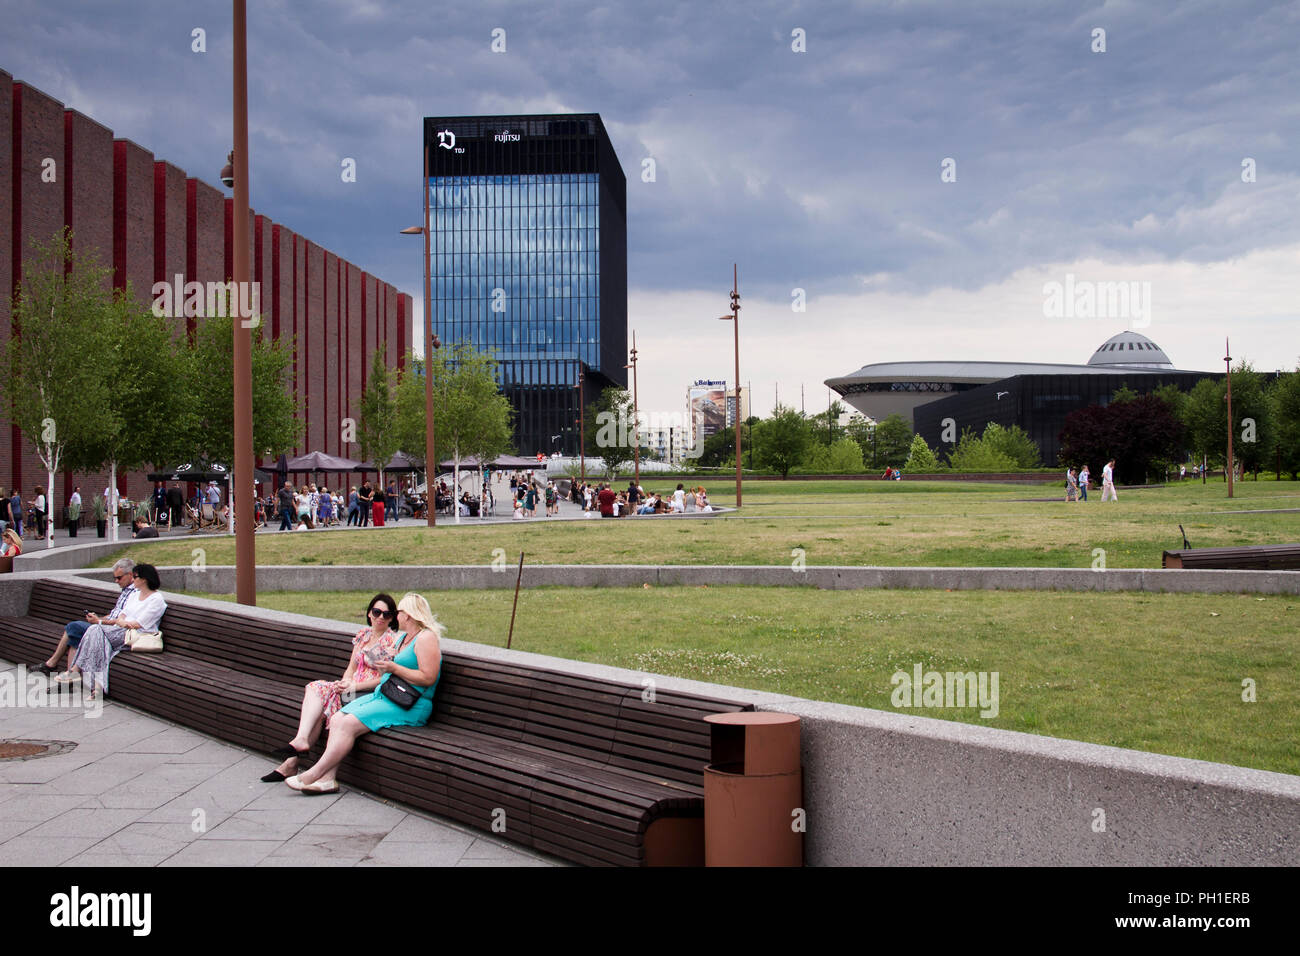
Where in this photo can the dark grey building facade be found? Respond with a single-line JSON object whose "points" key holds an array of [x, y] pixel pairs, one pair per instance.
{"points": [[528, 246]]}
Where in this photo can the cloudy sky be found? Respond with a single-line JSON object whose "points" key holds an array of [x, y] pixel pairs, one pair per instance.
{"points": [[920, 170]]}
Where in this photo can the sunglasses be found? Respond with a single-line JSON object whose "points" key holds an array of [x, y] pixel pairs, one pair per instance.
{"points": [[380, 611]]}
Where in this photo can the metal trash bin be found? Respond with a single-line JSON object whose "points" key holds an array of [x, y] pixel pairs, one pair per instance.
{"points": [[753, 791]]}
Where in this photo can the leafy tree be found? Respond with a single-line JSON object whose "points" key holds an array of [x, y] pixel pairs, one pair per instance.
{"points": [[58, 395], [823, 425], [893, 441], [1286, 404], [1123, 394], [611, 429], [1137, 434], [409, 409], [974, 454], [154, 411], [1013, 444], [210, 374], [377, 431], [921, 459], [861, 430], [1206, 418], [782, 440], [1255, 428], [471, 418], [719, 449]]}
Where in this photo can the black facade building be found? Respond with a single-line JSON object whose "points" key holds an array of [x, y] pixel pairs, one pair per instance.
{"points": [[1039, 404], [528, 246]]}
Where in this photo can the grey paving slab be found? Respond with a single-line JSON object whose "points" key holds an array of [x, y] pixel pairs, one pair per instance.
{"points": [[83, 822], [248, 826], [447, 841], [414, 854], [13, 828], [122, 798], [330, 845], [483, 849], [39, 805], [362, 812], [148, 839], [223, 853], [43, 850], [420, 829], [166, 742]]}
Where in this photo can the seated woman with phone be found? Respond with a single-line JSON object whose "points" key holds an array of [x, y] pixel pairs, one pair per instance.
{"points": [[403, 698], [324, 698]]}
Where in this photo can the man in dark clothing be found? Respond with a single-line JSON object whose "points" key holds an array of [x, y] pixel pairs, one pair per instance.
{"points": [[607, 499], [176, 505], [633, 493], [286, 507], [365, 498]]}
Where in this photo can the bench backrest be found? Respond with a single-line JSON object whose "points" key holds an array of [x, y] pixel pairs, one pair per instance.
{"points": [[231, 639]]}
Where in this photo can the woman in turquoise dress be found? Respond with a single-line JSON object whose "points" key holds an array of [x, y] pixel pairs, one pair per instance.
{"points": [[418, 662]]}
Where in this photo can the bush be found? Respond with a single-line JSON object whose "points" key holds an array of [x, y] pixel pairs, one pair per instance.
{"points": [[975, 454]]}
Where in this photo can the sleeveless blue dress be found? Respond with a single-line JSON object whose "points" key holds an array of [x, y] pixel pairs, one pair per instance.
{"points": [[377, 712]]}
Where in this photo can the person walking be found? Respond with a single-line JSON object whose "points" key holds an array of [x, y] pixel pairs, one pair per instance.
{"points": [[1084, 478], [286, 507], [74, 511], [1108, 481], [1071, 485]]}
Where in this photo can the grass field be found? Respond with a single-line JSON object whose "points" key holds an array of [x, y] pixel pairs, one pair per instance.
{"points": [[1154, 672], [835, 522]]}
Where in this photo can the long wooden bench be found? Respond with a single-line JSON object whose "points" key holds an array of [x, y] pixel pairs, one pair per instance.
{"points": [[1254, 557], [589, 770]]}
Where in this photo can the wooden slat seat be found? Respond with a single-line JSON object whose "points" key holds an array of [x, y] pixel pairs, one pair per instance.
{"points": [[579, 767], [1254, 557]]}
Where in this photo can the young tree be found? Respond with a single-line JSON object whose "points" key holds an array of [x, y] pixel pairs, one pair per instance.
{"points": [[611, 428], [920, 459], [471, 418], [409, 409], [782, 440], [58, 393], [1206, 418], [209, 380], [893, 441], [153, 409], [377, 431], [1013, 443]]}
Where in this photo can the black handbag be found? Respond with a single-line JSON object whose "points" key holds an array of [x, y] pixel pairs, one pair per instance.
{"points": [[400, 692]]}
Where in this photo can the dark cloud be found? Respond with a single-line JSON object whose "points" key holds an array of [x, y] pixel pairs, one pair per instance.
{"points": [[812, 169]]}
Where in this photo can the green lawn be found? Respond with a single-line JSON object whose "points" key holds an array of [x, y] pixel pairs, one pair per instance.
{"points": [[1154, 672], [834, 522]]}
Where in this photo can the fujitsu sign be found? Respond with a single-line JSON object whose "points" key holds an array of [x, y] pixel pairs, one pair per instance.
{"points": [[505, 136]]}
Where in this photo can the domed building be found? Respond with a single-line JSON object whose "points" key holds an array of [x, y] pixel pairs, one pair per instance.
{"points": [[1036, 396]]}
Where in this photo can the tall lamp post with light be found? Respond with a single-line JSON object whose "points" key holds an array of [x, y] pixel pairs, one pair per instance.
{"points": [[431, 342], [582, 425], [735, 318]]}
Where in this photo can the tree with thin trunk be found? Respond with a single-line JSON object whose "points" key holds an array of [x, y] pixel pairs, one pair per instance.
{"points": [[57, 390], [377, 431]]}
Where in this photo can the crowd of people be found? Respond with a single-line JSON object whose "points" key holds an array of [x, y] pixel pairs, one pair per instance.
{"points": [[603, 500]]}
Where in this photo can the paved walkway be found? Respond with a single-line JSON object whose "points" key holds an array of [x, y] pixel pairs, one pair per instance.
{"points": [[138, 791]]}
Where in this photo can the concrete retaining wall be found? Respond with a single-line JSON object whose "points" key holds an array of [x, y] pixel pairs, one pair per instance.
{"points": [[221, 580]]}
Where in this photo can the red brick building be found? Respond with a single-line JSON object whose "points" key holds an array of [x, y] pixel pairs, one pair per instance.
{"points": [[149, 222]]}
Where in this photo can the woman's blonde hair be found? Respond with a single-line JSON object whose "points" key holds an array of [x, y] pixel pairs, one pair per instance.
{"points": [[417, 608]]}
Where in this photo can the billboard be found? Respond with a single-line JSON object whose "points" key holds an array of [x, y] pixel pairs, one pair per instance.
{"points": [[706, 404]]}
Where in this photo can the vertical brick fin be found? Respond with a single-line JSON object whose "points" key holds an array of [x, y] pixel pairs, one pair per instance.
{"points": [[10, 239], [133, 219]]}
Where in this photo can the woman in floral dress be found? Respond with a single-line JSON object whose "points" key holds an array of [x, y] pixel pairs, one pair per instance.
{"points": [[324, 698]]}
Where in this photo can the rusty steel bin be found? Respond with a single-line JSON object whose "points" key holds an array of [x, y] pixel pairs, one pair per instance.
{"points": [[753, 791]]}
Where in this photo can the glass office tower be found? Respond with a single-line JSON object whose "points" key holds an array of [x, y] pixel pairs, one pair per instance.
{"points": [[528, 233]]}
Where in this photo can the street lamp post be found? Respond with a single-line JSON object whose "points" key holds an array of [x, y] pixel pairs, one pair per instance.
{"points": [[431, 342], [582, 425], [245, 545], [636, 418], [735, 318], [1227, 359]]}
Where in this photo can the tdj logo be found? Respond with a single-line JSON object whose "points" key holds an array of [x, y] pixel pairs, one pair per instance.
{"points": [[447, 139]]}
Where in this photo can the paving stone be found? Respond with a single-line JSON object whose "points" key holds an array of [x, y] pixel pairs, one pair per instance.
{"points": [[390, 853], [358, 810], [84, 822], [417, 829], [223, 853], [42, 851], [37, 807]]}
